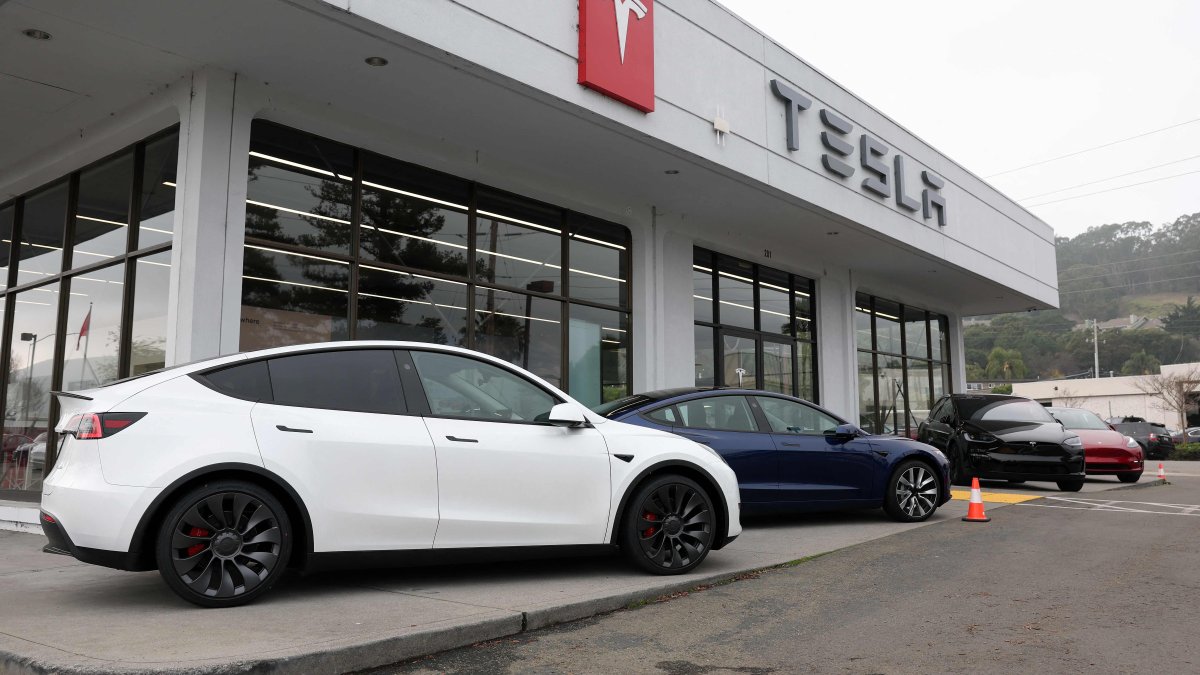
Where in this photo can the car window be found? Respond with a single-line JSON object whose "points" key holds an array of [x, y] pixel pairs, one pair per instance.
{"points": [[360, 380], [988, 409], [1075, 418], [790, 417], [249, 381], [943, 412], [457, 386], [663, 415], [729, 413]]}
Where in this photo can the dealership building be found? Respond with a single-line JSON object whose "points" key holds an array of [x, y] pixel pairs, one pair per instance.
{"points": [[619, 195]]}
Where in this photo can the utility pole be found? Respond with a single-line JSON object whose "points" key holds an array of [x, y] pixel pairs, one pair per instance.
{"points": [[1095, 348]]}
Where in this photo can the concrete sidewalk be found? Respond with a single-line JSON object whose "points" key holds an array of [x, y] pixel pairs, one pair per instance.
{"points": [[59, 615]]}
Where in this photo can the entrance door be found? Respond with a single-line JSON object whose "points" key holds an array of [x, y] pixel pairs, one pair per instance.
{"points": [[752, 361]]}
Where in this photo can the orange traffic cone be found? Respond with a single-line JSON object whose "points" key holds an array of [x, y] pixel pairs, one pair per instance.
{"points": [[975, 512], [1162, 474]]}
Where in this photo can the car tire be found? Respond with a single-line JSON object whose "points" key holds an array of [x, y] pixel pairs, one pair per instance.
{"points": [[669, 526], [223, 544], [1129, 476], [912, 492], [1070, 485]]}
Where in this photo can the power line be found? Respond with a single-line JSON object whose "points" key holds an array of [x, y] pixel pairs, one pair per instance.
{"points": [[1121, 187], [1080, 152], [1138, 283], [1157, 166], [1149, 257], [1107, 274]]}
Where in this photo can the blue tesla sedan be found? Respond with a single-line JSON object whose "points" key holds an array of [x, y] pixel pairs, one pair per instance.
{"points": [[790, 455]]}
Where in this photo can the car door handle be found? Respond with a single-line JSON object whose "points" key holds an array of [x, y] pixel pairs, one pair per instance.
{"points": [[462, 440], [294, 431], [794, 445]]}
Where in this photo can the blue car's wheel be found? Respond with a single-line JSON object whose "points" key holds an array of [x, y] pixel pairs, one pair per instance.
{"points": [[912, 492]]}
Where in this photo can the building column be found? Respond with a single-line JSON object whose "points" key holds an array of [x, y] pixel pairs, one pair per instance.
{"points": [[958, 354], [837, 357], [199, 275]]}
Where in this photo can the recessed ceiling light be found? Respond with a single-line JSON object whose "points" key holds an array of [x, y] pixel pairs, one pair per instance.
{"points": [[671, 172], [35, 34], [376, 61]]}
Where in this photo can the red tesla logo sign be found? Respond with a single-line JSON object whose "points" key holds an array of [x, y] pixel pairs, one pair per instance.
{"points": [[616, 50]]}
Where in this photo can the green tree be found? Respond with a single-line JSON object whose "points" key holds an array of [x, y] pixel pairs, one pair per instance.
{"points": [[1184, 319], [1140, 363], [1002, 389], [1006, 364]]}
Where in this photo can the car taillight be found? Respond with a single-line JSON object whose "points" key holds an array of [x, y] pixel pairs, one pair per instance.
{"points": [[1154, 437], [90, 426]]}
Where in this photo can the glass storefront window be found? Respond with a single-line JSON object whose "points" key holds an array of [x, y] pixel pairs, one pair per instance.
{"points": [[148, 330], [740, 361], [7, 213], [42, 227], [29, 383], [862, 322], [702, 286], [518, 244], [395, 305], [736, 289], [102, 213], [806, 367], [292, 299], [937, 340], [868, 414], [160, 159], [599, 344], [919, 392], [412, 218], [521, 329], [706, 375], [93, 336], [774, 310], [887, 326], [802, 306], [916, 343], [778, 367], [598, 263], [300, 189]]}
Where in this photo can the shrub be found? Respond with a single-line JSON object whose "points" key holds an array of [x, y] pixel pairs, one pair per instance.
{"points": [[1187, 452]]}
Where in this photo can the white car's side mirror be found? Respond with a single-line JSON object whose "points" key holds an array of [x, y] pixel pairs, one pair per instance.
{"points": [[567, 415]]}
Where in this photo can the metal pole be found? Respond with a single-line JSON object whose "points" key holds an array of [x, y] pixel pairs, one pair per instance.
{"points": [[1096, 348]]}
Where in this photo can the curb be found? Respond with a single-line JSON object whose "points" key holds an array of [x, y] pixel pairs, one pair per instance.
{"points": [[1139, 486]]}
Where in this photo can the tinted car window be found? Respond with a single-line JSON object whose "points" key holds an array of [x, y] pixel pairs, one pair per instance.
{"points": [[1074, 418], [362, 380], [457, 386], [984, 409], [790, 417], [731, 413], [614, 408], [248, 380], [664, 415]]}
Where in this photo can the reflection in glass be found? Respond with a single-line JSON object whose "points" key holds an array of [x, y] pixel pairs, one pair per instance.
{"points": [[7, 214], [739, 361], [702, 288], [158, 191], [30, 368], [862, 323], [887, 326], [706, 372], [598, 353], [598, 256], [868, 413], [915, 341], [102, 214], [938, 332], [148, 332], [891, 392], [413, 217], [299, 189], [777, 367], [736, 295], [807, 366], [521, 329], [93, 336], [515, 255], [42, 234], [919, 393], [774, 314], [292, 299], [401, 306], [802, 304]]}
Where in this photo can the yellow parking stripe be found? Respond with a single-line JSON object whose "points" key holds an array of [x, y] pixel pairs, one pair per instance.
{"points": [[993, 497]]}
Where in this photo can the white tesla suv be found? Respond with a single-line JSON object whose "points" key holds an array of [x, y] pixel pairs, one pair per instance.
{"points": [[223, 473]]}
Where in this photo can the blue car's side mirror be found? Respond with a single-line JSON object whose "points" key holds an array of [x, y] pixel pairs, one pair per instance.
{"points": [[843, 432]]}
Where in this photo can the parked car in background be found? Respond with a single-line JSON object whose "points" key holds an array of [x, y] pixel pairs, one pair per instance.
{"points": [[1004, 437], [1191, 435], [222, 474], [1106, 451], [1176, 435], [790, 455], [1153, 437]]}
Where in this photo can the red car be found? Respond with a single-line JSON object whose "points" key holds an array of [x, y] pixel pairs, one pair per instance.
{"points": [[1106, 450]]}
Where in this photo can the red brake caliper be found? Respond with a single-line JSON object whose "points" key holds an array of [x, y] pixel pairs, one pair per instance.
{"points": [[649, 531], [196, 548]]}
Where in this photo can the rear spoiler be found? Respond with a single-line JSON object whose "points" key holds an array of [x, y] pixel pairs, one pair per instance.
{"points": [[69, 403], [70, 394]]}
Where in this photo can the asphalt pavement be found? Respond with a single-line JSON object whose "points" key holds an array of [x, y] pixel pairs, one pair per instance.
{"points": [[1092, 582], [59, 615]]}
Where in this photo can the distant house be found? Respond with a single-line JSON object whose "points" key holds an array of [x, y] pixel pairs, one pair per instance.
{"points": [[1107, 396], [1132, 322]]}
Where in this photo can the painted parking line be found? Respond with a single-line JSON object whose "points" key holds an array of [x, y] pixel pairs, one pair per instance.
{"points": [[993, 497], [1115, 506]]}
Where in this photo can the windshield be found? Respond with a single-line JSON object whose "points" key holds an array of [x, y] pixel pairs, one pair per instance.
{"points": [[614, 408], [1074, 418], [984, 409]]}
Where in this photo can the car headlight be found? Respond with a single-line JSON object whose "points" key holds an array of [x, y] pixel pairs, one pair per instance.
{"points": [[976, 437], [1130, 443], [1073, 442]]}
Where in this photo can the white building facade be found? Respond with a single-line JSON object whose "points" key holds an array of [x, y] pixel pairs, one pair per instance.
{"points": [[184, 180]]}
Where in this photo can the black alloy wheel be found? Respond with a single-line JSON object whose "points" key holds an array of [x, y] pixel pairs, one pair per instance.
{"points": [[1129, 476], [224, 544], [912, 492], [669, 525], [1070, 485]]}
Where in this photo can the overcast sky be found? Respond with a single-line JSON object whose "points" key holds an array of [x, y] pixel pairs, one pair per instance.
{"points": [[1024, 81]]}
